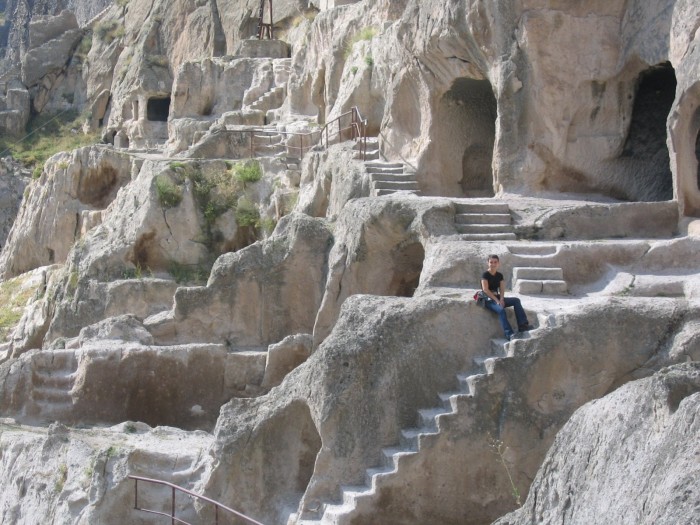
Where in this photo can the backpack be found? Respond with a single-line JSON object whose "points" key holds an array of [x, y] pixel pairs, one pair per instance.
{"points": [[480, 297]]}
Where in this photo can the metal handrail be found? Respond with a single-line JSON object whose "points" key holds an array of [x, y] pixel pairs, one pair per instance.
{"points": [[174, 488], [327, 135]]}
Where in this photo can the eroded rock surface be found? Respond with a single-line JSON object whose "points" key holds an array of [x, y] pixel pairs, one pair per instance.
{"points": [[590, 475]]}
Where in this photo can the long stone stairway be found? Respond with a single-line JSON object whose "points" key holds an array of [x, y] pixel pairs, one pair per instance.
{"points": [[483, 221], [53, 377], [413, 441], [535, 274]]}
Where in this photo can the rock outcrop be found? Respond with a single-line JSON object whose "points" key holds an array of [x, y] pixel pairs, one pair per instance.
{"points": [[305, 317], [591, 475]]}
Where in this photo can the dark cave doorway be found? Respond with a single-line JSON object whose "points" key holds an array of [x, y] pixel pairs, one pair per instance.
{"points": [[646, 139], [158, 109], [697, 158], [466, 133]]}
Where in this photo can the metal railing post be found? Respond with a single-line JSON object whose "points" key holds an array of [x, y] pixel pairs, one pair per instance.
{"points": [[172, 508], [136, 494]]}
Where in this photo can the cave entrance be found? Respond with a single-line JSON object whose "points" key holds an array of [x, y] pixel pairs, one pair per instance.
{"points": [[407, 267], [697, 158], [157, 109], [466, 132], [646, 139]]}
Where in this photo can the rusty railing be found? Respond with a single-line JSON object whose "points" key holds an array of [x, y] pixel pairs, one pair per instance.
{"points": [[174, 489], [348, 126]]}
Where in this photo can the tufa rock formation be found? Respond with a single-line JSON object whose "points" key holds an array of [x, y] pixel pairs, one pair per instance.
{"points": [[256, 283]]}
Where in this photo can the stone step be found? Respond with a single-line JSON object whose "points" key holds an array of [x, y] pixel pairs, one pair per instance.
{"points": [[544, 287], [395, 170], [61, 379], [427, 417], [473, 382], [482, 218], [533, 249], [351, 493], [409, 439], [500, 346], [399, 177], [372, 475], [537, 273], [383, 165], [51, 395], [485, 237], [52, 360], [482, 207], [382, 193], [395, 185], [484, 228]]}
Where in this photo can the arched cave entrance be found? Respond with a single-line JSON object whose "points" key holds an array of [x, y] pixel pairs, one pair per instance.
{"points": [[466, 132], [407, 267], [158, 109], [646, 139]]}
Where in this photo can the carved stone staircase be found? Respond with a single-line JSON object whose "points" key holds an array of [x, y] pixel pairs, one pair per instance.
{"points": [[534, 274], [481, 221], [397, 459], [274, 98], [53, 377], [387, 178]]}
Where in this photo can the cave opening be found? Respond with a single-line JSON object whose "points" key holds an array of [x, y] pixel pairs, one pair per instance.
{"points": [[646, 139], [697, 157], [158, 109], [466, 133], [408, 265]]}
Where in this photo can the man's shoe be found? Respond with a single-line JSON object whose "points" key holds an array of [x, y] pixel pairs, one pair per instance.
{"points": [[525, 328], [514, 335]]}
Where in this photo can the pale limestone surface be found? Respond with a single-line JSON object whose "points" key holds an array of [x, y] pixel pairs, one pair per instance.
{"points": [[478, 98], [652, 472], [61, 206]]}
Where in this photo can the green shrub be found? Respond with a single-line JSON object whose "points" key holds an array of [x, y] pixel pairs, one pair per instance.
{"points": [[188, 274], [366, 33], [47, 134], [169, 193], [157, 60], [122, 3], [109, 30], [12, 303], [247, 213], [84, 47], [249, 171], [369, 61]]}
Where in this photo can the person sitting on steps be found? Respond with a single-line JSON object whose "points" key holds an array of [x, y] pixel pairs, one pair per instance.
{"points": [[494, 287]]}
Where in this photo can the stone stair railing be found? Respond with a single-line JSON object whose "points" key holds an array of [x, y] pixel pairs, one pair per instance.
{"points": [[399, 459], [53, 377], [480, 221], [91, 23], [535, 274]]}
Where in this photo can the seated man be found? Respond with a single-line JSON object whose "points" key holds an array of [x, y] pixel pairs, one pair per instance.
{"points": [[494, 287]]}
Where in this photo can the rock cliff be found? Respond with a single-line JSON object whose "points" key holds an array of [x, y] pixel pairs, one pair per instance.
{"points": [[256, 282]]}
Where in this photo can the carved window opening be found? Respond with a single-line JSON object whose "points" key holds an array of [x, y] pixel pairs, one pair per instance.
{"points": [[466, 135], [158, 109], [646, 139]]}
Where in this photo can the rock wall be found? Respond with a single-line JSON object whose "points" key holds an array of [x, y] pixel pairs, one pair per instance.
{"points": [[652, 472]]}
